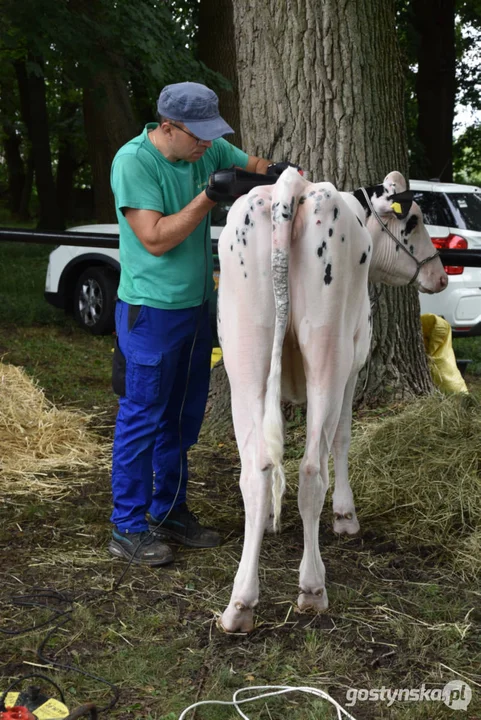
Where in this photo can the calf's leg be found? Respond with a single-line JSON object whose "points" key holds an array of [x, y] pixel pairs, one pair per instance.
{"points": [[344, 513], [255, 483]]}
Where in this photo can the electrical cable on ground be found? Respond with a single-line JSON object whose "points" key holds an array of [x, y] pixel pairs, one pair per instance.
{"points": [[26, 677], [273, 690]]}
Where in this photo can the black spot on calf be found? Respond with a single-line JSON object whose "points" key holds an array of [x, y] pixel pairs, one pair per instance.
{"points": [[363, 259], [331, 232], [336, 213], [321, 248], [328, 276], [247, 220], [360, 223]]}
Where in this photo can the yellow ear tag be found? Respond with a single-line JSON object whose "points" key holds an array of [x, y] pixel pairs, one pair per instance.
{"points": [[396, 207]]}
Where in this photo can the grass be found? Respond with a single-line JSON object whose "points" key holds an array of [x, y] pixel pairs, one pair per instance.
{"points": [[72, 366], [399, 615], [469, 348], [23, 268]]}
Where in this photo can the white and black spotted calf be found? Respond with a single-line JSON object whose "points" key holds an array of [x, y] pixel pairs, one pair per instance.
{"points": [[294, 322]]}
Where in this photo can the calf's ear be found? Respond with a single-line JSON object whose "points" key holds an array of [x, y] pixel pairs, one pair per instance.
{"points": [[399, 197], [401, 203], [395, 182]]}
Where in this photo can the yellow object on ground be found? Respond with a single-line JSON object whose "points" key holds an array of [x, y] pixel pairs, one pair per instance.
{"points": [[215, 357], [439, 347]]}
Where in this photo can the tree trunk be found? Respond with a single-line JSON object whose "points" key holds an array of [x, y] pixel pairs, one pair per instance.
{"points": [[27, 188], [436, 84], [33, 103], [322, 86], [397, 367], [67, 162], [218, 408], [109, 123], [15, 167], [216, 20]]}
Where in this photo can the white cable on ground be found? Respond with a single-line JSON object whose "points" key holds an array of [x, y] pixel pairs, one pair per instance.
{"points": [[273, 690]]}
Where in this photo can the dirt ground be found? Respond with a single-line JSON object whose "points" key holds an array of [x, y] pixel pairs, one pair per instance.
{"points": [[396, 619]]}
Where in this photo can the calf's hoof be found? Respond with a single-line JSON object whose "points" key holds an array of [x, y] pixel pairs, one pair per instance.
{"points": [[270, 525], [314, 602], [237, 618], [346, 523]]}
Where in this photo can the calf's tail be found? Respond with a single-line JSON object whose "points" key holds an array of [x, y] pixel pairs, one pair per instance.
{"points": [[284, 205]]}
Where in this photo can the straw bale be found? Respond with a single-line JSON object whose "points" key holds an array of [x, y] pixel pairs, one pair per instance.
{"points": [[417, 474], [38, 440]]}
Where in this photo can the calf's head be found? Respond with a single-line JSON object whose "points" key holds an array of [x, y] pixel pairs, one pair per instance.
{"points": [[402, 249]]}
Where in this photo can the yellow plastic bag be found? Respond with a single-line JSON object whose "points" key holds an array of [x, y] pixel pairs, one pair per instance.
{"points": [[439, 348]]}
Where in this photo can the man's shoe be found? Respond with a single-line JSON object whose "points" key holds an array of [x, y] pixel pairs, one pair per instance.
{"points": [[183, 527], [142, 548]]}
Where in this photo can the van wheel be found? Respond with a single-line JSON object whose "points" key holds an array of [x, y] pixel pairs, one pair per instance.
{"points": [[94, 300]]}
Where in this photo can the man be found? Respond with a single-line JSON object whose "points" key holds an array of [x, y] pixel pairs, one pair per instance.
{"points": [[163, 332]]}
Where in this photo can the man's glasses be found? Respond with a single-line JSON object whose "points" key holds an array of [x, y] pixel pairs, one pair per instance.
{"points": [[198, 141]]}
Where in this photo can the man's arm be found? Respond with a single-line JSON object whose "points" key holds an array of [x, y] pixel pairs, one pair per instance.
{"points": [[257, 165], [159, 233]]}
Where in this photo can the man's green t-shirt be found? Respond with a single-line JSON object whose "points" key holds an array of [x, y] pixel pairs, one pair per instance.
{"points": [[143, 178]]}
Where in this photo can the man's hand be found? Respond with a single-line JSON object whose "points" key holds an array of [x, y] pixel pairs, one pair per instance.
{"points": [[217, 195], [278, 168]]}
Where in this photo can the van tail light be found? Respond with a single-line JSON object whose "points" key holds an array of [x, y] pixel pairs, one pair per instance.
{"points": [[452, 242]]}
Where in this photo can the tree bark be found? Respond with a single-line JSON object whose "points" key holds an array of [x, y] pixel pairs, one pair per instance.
{"points": [[15, 167], [67, 164], [322, 86], [321, 82], [218, 409], [27, 188], [109, 123], [216, 20], [397, 366], [436, 84], [33, 103]]}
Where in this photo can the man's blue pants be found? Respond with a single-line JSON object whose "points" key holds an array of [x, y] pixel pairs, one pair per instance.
{"points": [[160, 416]]}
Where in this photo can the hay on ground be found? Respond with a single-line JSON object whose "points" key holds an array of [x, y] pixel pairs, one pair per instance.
{"points": [[37, 439], [417, 474]]}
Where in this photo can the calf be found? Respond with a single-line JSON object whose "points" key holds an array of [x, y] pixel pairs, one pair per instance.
{"points": [[294, 323]]}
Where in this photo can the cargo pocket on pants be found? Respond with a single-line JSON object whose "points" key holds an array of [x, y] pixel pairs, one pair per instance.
{"points": [[144, 377], [118, 370]]}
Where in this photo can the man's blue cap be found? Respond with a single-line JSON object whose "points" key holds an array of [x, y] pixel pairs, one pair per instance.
{"points": [[196, 106]]}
